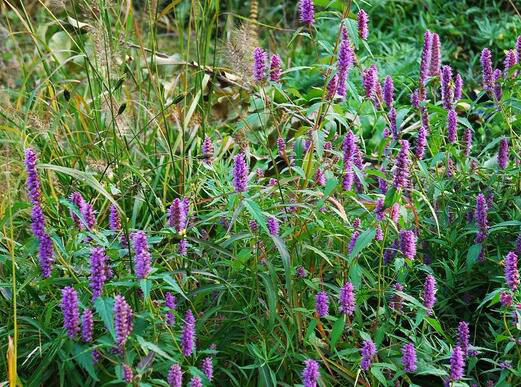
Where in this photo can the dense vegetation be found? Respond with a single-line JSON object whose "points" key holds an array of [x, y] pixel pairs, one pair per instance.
{"points": [[284, 193]]}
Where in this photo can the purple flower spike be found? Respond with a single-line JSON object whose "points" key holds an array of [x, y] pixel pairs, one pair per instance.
{"points": [[518, 244], [142, 258], [409, 358], [71, 314], [127, 373], [208, 150], [348, 178], [506, 299], [281, 145], [457, 364], [369, 81], [307, 12], [98, 271], [45, 250], [452, 126], [486, 68], [421, 143], [408, 244], [467, 140], [188, 334], [311, 373], [481, 213], [170, 303], [463, 337], [518, 49], [368, 352], [425, 63], [347, 299], [401, 172], [320, 178], [447, 92], [196, 382], [349, 147], [182, 248], [388, 91], [392, 122], [78, 201], [33, 182], [429, 294], [273, 225], [510, 61], [87, 326], [89, 216], [331, 88], [344, 62], [275, 70], [415, 100], [175, 376], [353, 240], [207, 367], [362, 20], [511, 272], [435, 64], [178, 214], [396, 301], [322, 304], [123, 320], [502, 156], [114, 219], [240, 173], [496, 78], [458, 87], [259, 64]]}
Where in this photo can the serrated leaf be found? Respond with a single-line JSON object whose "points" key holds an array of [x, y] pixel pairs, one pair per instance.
{"points": [[363, 241], [104, 307], [337, 331]]}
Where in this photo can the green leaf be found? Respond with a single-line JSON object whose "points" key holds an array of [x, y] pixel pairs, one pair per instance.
{"points": [[286, 261], [152, 347], [336, 332], [84, 359], [146, 286], [174, 285], [272, 297], [472, 255], [104, 307], [255, 211], [363, 241], [390, 197]]}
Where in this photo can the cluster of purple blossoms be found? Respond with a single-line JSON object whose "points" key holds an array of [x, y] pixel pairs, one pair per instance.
{"points": [[142, 258], [175, 376], [457, 364], [429, 294], [89, 216], [115, 224], [415, 99], [259, 64], [347, 299], [311, 373], [307, 12], [486, 68], [240, 173], [188, 334], [207, 367], [71, 314], [362, 21], [78, 201], [409, 358], [170, 303], [388, 92], [87, 326], [467, 141], [401, 172], [127, 373], [368, 353], [502, 156], [98, 271], [178, 214], [496, 79], [281, 145], [392, 122], [45, 249], [506, 299], [320, 178], [322, 304], [511, 271], [447, 91], [352, 242], [370, 81], [421, 143], [408, 244], [425, 63], [208, 150], [253, 226], [458, 87], [463, 337], [396, 301], [273, 225], [123, 320], [480, 215], [510, 61], [301, 272], [344, 62], [435, 60], [452, 126], [275, 71], [331, 87]]}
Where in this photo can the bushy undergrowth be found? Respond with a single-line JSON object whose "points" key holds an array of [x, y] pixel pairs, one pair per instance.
{"points": [[312, 213]]}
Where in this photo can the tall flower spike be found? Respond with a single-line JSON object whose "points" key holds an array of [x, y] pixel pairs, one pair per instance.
{"points": [[275, 70], [397, 301], [368, 352], [142, 258], [434, 69], [429, 294], [344, 62], [322, 304], [362, 21], [369, 81], [170, 303], [259, 64], [88, 215], [331, 88], [409, 358], [353, 240], [425, 63], [307, 12], [388, 91], [421, 143], [415, 99], [175, 376], [240, 173], [281, 145], [447, 91], [510, 61], [457, 364], [452, 126], [392, 122], [349, 148], [114, 219], [496, 80], [511, 271], [458, 87], [98, 271], [463, 337], [348, 178], [486, 68], [208, 150], [273, 225], [177, 214], [71, 314], [123, 320], [87, 326], [33, 182], [45, 250], [481, 213], [188, 334], [502, 156], [467, 140], [196, 382], [401, 172], [311, 373], [518, 48], [207, 367], [127, 373], [320, 178], [408, 244], [347, 299], [78, 201]]}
